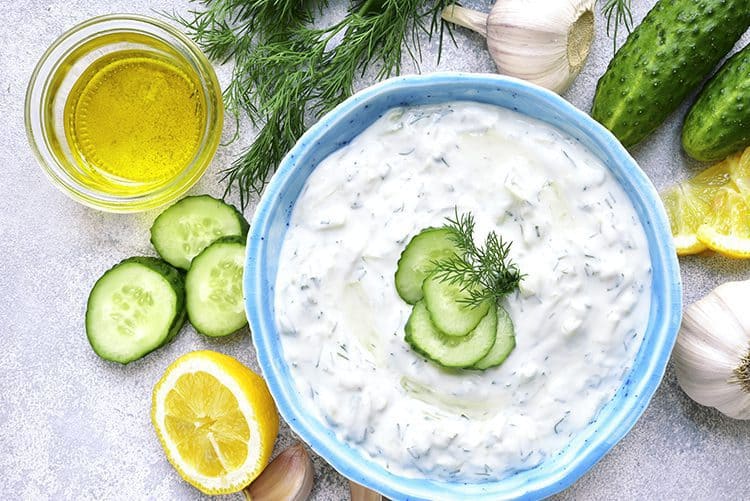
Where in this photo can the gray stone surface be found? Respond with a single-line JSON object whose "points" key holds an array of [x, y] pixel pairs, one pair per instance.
{"points": [[75, 427]]}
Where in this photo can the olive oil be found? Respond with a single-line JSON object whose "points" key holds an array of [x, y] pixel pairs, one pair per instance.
{"points": [[124, 113], [134, 120]]}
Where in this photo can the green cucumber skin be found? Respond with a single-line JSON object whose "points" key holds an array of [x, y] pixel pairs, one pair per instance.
{"points": [[177, 282], [201, 329], [718, 124], [416, 340], [435, 244], [505, 342], [676, 46], [167, 213]]}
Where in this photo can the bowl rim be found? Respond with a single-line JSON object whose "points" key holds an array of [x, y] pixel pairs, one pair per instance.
{"points": [[48, 65], [353, 464]]}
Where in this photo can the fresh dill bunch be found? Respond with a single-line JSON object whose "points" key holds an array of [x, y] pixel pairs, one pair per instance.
{"points": [[369, 36], [276, 86], [376, 32], [284, 68], [279, 81], [222, 27], [231, 30], [482, 272], [620, 10]]}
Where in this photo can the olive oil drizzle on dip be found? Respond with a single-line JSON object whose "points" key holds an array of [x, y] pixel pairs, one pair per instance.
{"points": [[579, 315]]}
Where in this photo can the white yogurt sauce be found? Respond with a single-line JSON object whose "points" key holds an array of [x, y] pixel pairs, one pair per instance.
{"points": [[579, 316]]}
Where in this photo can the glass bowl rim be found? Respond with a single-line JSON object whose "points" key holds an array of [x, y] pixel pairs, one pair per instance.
{"points": [[48, 65]]}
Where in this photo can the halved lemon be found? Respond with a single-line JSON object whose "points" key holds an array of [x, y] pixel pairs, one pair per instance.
{"points": [[216, 420], [693, 203]]}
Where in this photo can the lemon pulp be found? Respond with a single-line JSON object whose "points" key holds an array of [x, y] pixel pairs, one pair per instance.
{"points": [[213, 432], [216, 421], [712, 209]]}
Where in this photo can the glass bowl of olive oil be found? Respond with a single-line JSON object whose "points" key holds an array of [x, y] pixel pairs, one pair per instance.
{"points": [[124, 113]]}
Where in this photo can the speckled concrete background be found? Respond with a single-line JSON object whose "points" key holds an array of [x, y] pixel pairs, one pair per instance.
{"points": [[75, 427]]}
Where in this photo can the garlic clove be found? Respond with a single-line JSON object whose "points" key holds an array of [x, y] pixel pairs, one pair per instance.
{"points": [[732, 296], [289, 477], [707, 358], [547, 49], [712, 352], [701, 368], [362, 493], [733, 405]]}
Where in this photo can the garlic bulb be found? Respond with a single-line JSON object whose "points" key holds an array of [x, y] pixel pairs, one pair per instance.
{"points": [[545, 42], [289, 477], [712, 354]]}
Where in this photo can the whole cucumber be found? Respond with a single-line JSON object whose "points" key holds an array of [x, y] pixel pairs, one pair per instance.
{"points": [[718, 124], [675, 47]]}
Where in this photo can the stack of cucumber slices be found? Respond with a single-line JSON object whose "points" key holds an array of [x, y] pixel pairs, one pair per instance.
{"points": [[141, 303], [442, 326]]}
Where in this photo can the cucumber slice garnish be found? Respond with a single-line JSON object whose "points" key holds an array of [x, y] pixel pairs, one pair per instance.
{"points": [[450, 351], [505, 341], [134, 308], [450, 315], [215, 304], [416, 262], [186, 228]]}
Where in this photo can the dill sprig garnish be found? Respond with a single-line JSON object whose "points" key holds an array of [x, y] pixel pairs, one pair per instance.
{"points": [[482, 272], [286, 70], [620, 9]]}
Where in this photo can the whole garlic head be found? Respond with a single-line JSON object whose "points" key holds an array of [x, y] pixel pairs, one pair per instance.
{"points": [[545, 42], [712, 354]]}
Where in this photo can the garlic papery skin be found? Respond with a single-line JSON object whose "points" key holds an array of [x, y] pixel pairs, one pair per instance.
{"points": [[545, 42], [362, 493], [289, 477], [712, 353]]}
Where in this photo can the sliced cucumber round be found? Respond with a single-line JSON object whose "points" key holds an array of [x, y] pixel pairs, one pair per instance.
{"points": [[135, 307], [186, 228], [215, 303], [416, 262], [450, 351], [444, 301], [505, 341]]}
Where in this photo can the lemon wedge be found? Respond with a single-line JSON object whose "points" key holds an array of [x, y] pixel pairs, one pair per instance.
{"points": [[686, 213], [708, 211], [727, 229], [216, 421]]}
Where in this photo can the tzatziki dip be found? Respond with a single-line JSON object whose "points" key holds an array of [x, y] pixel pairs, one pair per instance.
{"points": [[579, 314]]}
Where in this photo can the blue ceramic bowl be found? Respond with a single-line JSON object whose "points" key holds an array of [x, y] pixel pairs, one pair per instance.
{"points": [[336, 129]]}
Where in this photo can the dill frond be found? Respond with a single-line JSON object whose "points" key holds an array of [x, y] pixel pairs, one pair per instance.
{"points": [[483, 272], [376, 33], [620, 10]]}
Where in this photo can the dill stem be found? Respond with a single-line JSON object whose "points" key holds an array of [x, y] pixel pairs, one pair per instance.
{"points": [[367, 7]]}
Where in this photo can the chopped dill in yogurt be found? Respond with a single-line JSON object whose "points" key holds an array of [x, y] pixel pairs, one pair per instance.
{"points": [[579, 313]]}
